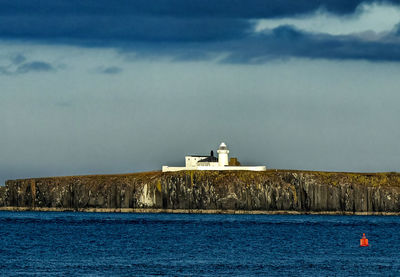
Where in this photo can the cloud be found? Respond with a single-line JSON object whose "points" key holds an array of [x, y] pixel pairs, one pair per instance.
{"points": [[282, 42], [4, 71], [18, 59], [35, 66], [18, 65], [103, 23], [181, 8], [371, 17], [192, 30], [103, 30], [109, 70], [286, 42]]}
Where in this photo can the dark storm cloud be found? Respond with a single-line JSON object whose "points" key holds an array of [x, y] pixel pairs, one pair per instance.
{"points": [[181, 8], [188, 30], [280, 43], [286, 41], [117, 30]]}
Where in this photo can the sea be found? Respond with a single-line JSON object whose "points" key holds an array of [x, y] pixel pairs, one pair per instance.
{"points": [[129, 244]]}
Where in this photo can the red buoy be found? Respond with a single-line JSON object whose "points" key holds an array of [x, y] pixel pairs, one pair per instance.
{"points": [[364, 241]]}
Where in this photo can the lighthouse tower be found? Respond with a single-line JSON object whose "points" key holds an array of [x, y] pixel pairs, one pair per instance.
{"points": [[223, 152]]}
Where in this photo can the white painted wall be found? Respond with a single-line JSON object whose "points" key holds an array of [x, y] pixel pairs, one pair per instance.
{"points": [[175, 168], [235, 168], [223, 158], [207, 164], [191, 161], [251, 168]]}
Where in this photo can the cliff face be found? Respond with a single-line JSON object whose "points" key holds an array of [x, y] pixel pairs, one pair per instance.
{"points": [[80, 192], [2, 196], [273, 190], [283, 190]]}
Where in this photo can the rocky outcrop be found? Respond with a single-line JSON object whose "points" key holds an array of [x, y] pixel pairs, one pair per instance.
{"points": [[272, 190]]}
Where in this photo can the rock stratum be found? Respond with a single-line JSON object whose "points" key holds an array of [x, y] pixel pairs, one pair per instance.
{"points": [[272, 191]]}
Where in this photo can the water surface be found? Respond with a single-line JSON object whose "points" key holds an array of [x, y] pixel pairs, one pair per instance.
{"points": [[104, 244]]}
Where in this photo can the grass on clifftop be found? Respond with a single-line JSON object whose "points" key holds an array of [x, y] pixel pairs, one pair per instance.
{"points": [[273, 175], [388, 179]]}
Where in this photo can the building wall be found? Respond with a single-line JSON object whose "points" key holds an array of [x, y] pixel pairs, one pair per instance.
{"points": [[236, 168], [207, 164], [191, 161], [252, 168]]}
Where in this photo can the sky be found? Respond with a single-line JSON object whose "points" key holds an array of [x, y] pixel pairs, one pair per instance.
{"points": [[97, 87]]}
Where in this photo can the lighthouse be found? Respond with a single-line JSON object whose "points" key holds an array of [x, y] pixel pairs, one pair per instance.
{"points": [[223, 152]]}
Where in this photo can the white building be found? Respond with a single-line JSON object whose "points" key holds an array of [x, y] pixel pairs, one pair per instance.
{"points": [[196, 162]]}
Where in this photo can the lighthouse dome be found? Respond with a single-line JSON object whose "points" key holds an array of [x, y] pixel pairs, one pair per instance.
{"points": [[222, 146]]}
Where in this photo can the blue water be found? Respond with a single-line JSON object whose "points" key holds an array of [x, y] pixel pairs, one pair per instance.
{"points": [[98, 244]]}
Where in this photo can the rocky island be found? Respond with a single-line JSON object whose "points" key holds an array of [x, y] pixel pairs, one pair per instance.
{"points": [[191, 191]]}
